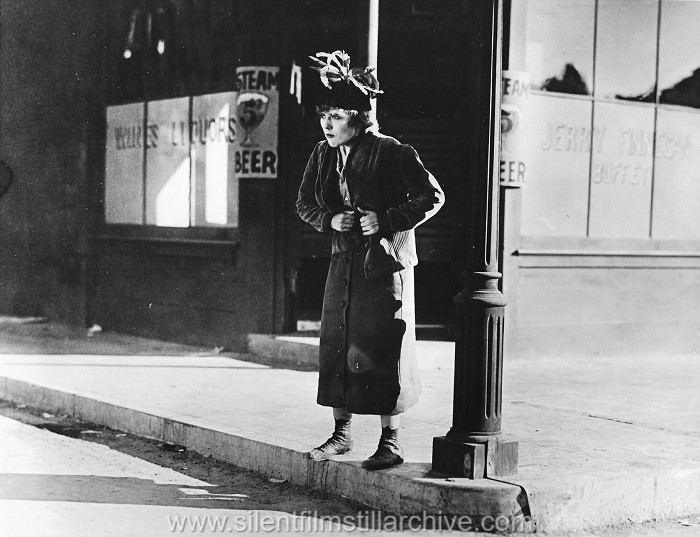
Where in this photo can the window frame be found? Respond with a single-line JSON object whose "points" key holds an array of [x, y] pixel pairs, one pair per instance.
{"points": [[193, 240], [642, 248]]}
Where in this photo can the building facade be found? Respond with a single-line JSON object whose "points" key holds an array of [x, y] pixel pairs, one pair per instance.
{"points": [[158, 145], [609, 231]]}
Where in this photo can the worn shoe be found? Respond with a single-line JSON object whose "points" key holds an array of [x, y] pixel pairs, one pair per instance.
{"points": [[339, 443], [389, 452]]}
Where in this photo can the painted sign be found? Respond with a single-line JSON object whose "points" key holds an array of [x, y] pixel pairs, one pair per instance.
{"points": [[557, 138], [516, 89], [214, 129], [194, 150], [621, 171], [124, 154], [168, 162], [257, 117]]}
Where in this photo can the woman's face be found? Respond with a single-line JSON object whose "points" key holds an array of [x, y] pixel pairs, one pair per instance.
{"points": [[334, 123]]}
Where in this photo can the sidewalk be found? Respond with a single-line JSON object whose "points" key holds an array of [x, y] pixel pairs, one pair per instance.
{"points": [[602, 440]]}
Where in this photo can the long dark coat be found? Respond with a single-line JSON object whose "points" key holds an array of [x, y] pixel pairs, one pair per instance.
{"points": [[367, 356]]}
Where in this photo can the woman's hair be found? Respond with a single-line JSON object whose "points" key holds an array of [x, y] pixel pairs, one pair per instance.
{"points": [[359, 119]]}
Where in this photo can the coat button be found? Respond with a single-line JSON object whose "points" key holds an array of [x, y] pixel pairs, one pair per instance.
{"points": [[342, 327], [345, 281], [342, 303]]}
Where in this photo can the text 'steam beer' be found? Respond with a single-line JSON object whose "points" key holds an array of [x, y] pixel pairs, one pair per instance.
{"points": [[220, 129]]}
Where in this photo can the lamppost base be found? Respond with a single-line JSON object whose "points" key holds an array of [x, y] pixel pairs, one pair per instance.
{"points": [[490, 457]]}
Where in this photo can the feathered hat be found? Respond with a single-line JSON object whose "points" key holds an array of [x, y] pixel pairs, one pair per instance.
{"points": [[347, 88]]}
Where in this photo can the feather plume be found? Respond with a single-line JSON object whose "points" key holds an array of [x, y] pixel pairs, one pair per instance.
{"points": [[335, 67]]}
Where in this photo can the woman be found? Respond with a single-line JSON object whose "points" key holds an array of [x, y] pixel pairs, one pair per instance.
{"points": [[370, 191]]}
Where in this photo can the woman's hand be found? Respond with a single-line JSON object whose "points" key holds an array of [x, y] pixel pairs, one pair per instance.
{"points": [[369, 222], [343, 221]]}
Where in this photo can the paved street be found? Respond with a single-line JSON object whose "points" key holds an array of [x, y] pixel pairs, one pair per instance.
{"points": [[56, 485], [603, 442]]}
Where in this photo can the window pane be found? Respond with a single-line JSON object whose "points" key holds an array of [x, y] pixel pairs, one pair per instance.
{"points": [[559, 44], [679, 56], [168, 69], [555, 196], [621, 171], [677, 176], [228, 33], [214, 185], [626, 50], [125, 53], [217, 45], [168, 163], [124, 164]]}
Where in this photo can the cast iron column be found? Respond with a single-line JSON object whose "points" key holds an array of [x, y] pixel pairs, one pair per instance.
{"points": [[474, 447]]}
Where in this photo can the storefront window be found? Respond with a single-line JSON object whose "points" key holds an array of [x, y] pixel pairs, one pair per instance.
{"points": [[214, 200], [124, 160], [559, 45], [679, 61], [168, 48], [555, 195], [194, 106], [168, 66], [126, 54], [621, 171], [676, 210], [626, 68], [168, 163], [635, 175]]}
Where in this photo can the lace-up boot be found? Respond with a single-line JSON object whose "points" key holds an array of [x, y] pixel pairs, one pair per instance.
{"points": [[389, 452], [339, 442]]}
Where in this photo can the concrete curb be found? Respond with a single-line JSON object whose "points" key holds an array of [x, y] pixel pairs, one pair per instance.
{"points": [[599, 500], [283, 351], [405, 490], [293, 349]]}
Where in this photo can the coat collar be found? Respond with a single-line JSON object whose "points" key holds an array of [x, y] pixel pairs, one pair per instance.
{"points": [[357, 158], [361, 160]]}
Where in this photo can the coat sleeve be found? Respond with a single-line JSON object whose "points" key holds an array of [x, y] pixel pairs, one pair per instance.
{"points": [[425, 197], [308, 207]]}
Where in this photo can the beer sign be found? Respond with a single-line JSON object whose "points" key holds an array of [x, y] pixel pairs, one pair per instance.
{"points": [[257, 117], [177, 162], [515, 88]]}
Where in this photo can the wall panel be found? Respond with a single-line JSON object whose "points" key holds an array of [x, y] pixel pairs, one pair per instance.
{"points": [[648, 309]]}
